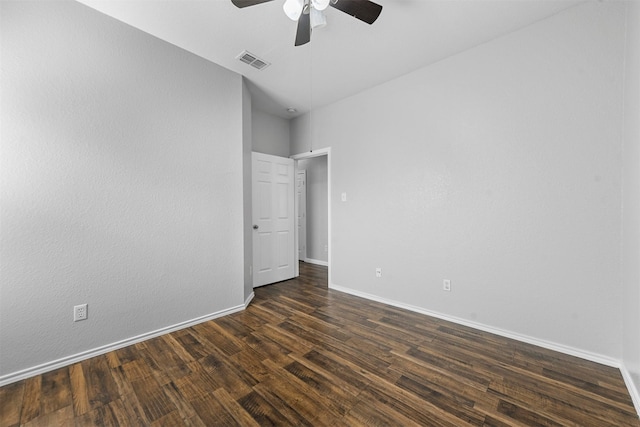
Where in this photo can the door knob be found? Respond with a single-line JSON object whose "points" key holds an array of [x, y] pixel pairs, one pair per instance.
{"points": [[255, 226]]}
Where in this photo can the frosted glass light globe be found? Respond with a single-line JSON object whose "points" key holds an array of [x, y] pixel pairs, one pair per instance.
{"points": [[320, 4], [293, 9]]}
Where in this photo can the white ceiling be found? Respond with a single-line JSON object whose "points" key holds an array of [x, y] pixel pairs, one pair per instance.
{"points": [[344, 58]]}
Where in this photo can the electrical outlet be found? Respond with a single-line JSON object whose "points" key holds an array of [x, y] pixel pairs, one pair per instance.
{"points": [[446, 285], [80, 312], [378, 272], [326, 248]]}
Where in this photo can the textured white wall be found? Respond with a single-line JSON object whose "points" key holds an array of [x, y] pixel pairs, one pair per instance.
{"points": [[270, 134], [121, 183], [317, 218], [631, 199], [498, 168]]}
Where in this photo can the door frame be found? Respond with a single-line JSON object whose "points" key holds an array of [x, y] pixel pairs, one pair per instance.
{"points": [[309, 155]]}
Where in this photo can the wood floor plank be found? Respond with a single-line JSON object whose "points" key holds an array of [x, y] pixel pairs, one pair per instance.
{"points": [[528, 394], [190, 344], [340, 383], [56, 392], [441, 380], [525, 416], [147, 364], [172, 419], [113, 360], [234, 409], [461, 369], [286, 400], [197, 384], [31, 400], [251, 361], [121, 381], [115, 413], [322, 385], [305, 398], [262, 411], [167, 357], [305, 355], [152, 398], [136, 370], [365, 414], [458, 405], [126, 354], [176, 346], [570, 392], [219, 337], [284, 337], [79, 393], [268, 348], [211, 412], [62, 417], [11, 397], [408, 405], [339, 368], [183, 405], [227, 376], [101, 388]]}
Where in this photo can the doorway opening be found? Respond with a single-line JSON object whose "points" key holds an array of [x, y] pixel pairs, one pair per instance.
{"points": [[313, 226]]}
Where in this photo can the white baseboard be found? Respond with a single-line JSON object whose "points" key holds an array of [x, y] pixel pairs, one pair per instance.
{"points": [[632, 386], [249, 299], [69, 360], [316, 262], [593, 357]]}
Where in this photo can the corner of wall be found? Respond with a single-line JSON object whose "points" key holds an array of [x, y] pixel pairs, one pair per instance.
{"points": [[631, 205], [247, 146]]}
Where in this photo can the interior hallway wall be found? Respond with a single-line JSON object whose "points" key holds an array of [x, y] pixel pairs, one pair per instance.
{"points": [[317, 218], [122, 183], [498, 168]]}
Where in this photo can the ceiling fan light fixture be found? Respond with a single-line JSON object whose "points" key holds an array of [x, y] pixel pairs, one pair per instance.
{"points": [[293, 9], [320, 4], [318, 20]]}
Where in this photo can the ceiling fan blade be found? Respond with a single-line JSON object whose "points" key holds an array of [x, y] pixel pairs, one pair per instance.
{"points": [[364, 10], [303, 35], [245, 3]]}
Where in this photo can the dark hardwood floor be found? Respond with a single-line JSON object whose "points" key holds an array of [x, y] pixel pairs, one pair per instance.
{"points": [[305, 355]]}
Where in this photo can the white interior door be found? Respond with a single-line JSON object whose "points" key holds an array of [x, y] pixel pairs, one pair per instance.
{"points": [[301, 200], [273, 219]]}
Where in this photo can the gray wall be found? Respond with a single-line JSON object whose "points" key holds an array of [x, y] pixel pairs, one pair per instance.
{"points": [[317, 218], [270, 134], [631, 200], [499, 169], [122, 183]]}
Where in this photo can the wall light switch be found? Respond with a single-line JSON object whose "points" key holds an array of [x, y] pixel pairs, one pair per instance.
{"points": [[344, 197]]}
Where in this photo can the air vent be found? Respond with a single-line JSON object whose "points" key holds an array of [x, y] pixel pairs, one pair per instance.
{"points": [[253, 60]]}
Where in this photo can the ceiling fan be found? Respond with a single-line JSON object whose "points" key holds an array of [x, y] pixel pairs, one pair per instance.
{"points": [[309, 14]]}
